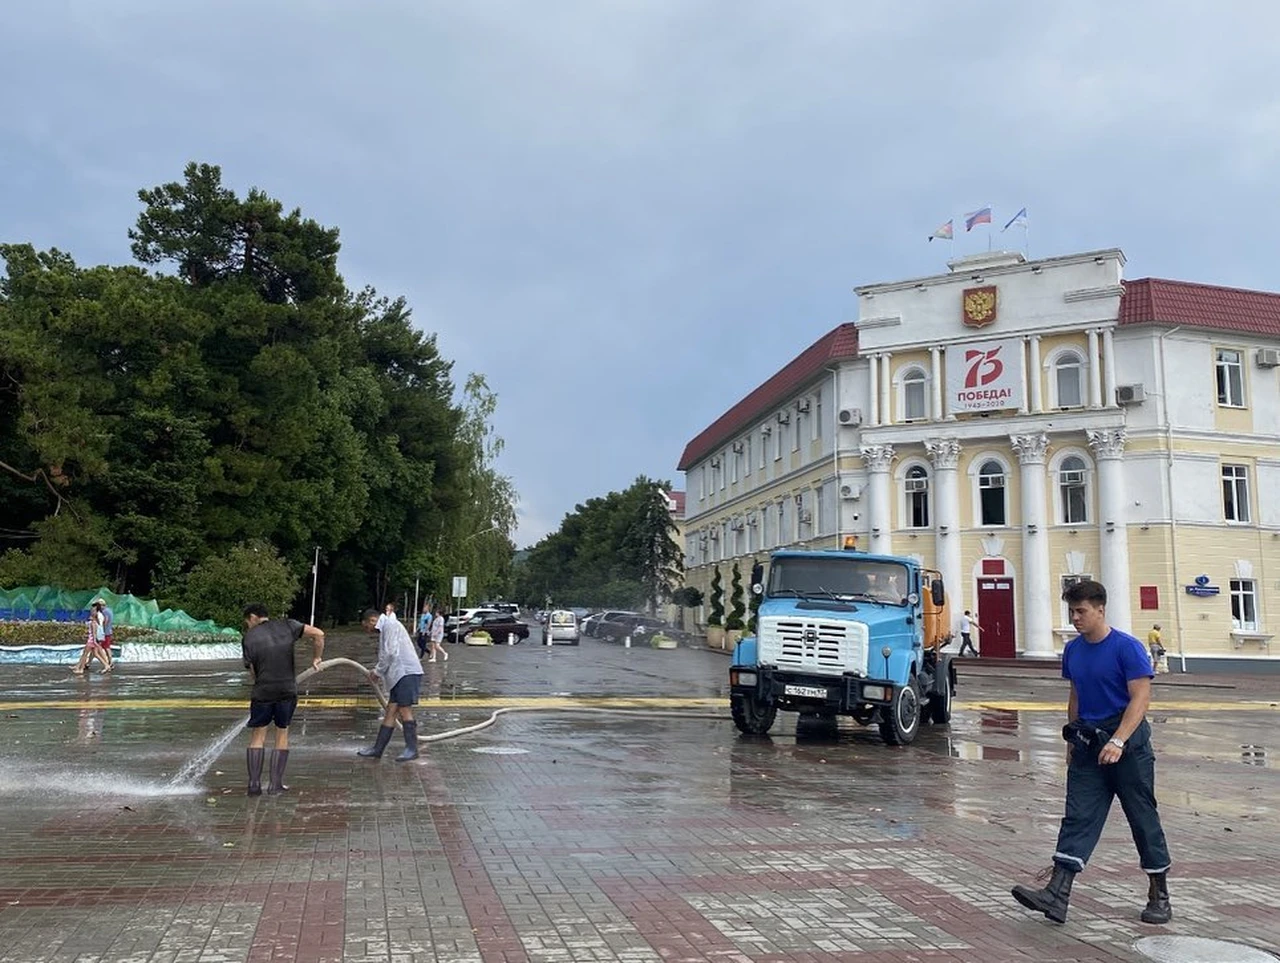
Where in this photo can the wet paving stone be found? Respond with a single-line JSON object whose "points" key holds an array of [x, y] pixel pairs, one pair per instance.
{"points": [[552, 836]]}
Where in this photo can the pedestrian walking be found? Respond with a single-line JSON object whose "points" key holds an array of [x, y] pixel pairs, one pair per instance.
{"points": [[1155, 645], [268, 652], [399, 666], [437, 635], [108, 630], [1109, 754], [967, 624], [422, 637], [95, 634]]}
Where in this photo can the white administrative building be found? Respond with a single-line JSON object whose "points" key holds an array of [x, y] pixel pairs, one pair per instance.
{"points": [[1021, 425]]}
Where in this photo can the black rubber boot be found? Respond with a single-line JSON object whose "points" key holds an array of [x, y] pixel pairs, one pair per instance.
{"points": [[253, 759], [279, 759], [410, 742], [1052, 900], [1157, 909], [380, 745]]}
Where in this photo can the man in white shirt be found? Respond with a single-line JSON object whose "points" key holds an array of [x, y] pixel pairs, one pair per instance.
{"points": [[967, 624], [399, 666]]}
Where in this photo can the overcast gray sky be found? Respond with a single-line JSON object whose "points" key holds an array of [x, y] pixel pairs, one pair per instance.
{"points": [[628, 213]]}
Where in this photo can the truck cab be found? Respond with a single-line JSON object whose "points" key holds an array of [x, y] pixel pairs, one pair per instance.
{"points": [[845, 633]]}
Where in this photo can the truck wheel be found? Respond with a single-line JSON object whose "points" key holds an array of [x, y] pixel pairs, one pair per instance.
{"points": [[940, 705], [752, 716], [902, 717]]}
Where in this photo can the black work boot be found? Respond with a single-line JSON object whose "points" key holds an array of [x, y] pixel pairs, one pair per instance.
{"points": [[410, 742], [1157, 909], [279, 759], [384, 736], [253, 759], [1052, 900]]}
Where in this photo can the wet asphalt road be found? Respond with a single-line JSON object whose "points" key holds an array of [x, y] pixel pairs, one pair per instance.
{"points": [[559, 836]]}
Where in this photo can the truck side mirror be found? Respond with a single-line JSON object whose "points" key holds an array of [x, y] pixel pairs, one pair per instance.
{"points": [[757, 579], [938, 592]]}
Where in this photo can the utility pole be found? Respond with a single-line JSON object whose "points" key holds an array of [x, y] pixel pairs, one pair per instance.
{"points": [[315, 573]]}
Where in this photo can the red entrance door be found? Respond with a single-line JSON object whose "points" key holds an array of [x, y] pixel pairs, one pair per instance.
{"points": [[995, 615]]}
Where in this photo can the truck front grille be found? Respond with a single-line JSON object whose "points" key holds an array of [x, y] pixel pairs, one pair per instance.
{"points": [[820, 646]]}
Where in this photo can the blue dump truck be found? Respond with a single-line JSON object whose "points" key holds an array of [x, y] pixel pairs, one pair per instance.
{"points": [[845, 633]]}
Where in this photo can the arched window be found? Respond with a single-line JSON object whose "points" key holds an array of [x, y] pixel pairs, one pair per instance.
{"points": [[1068, 380], [915, 395], [1073, 491], [991, 494], [917, 491]]}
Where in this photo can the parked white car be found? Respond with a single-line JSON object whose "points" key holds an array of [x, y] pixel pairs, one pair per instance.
{"points": [[562, 626]]}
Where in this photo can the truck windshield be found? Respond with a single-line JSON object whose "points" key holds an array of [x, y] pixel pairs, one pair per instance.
{"points": [[839, 578]]}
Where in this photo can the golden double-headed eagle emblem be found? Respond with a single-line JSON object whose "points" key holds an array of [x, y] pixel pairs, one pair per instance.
{"points": [[979, 306]]}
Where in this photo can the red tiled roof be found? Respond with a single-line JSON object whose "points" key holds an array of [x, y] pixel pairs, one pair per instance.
{"points": [[677, 503], [1157, 301], [837, 344]]}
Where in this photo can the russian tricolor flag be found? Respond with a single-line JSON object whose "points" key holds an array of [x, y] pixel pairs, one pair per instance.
{"points": [[981, 216]]}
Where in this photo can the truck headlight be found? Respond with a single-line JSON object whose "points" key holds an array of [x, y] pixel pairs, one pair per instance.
{"points": [[742, 678], [880, 692]]}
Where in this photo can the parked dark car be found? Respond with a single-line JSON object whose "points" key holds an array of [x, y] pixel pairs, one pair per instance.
{"points": [[501, 626], [636, 626], [593, 624]]}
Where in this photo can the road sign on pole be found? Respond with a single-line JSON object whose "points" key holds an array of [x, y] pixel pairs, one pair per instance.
{"points": [[459, 586]]}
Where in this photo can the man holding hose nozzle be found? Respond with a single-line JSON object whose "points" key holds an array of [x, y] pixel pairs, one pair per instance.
{"points": [[399, 666], [268, 655]]}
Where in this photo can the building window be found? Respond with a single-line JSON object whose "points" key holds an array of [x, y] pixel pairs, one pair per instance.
{"points": [[1244, 605], [719, 462], [1230, 372], [1235, 493], [783, 527], [917, 486], [915, 394], [777, 442], [702, 484], [747, 443], [1074, 491], [991, 495], [795, 444], [766, 521], [1068, 379], [817, 416]]}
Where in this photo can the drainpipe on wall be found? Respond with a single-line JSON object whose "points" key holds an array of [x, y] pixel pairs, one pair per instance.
{"points": [[835, 448], [1168, 481]]}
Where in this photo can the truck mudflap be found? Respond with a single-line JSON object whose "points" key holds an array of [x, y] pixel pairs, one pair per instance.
{"points": [[805, 692]]}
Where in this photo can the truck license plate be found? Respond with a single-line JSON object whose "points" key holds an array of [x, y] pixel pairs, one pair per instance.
{"points": [[805, 691]]}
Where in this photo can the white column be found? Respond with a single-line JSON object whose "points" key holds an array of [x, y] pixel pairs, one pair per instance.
{"points": [[878, 458], [873, 389], [1113, 532], [1023, 403], [1033, 366], [945, 454], [1037, 596], [886, 385], [1095, 371], [935, 363], [1108, 369]]}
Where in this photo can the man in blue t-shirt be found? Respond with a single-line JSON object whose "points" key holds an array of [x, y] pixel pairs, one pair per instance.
{"points": [[1109, 754]]}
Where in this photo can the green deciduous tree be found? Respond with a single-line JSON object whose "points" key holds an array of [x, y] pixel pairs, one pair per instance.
{"points": [[246, 395], [222, 585]]}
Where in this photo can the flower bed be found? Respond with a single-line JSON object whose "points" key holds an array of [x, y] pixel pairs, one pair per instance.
{"points": [[59, 643]]}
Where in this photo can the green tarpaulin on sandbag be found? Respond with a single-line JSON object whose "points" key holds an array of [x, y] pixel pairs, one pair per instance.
{"points": [[44, 603]]}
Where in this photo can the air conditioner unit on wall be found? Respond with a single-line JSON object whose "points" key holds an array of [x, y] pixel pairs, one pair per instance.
{"points": [[806, 516], [802, 407], [1268, 358], [715, 462], [737, 448], [850, 492], [784, 418], [851, 417], [1131, 394]]}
